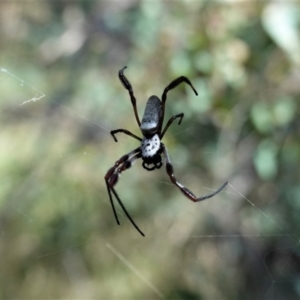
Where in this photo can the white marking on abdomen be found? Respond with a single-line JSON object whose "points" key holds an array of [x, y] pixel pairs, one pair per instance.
{"points": [[148, 125]]}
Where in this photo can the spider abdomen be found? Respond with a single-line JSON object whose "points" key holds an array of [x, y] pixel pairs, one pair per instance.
{"points": [[151, 117]]}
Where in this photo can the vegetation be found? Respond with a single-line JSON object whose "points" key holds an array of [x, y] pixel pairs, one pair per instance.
{"points": [[59, 238]]}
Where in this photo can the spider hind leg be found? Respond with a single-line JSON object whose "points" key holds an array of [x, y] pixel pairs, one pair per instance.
{"points": [[128, 87]]}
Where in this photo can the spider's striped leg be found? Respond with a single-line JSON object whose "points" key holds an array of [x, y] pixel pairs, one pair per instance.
{"points": [[112, 179], [110, 174], [171, 86], [128, 87], [183, 189], [113, 132], [181, 115]]}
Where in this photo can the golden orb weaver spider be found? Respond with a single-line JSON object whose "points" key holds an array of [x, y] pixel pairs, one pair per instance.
{"points": [[152, 150]]}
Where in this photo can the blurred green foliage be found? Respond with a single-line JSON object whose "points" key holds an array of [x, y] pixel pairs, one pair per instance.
{"points": [[59, 238]]}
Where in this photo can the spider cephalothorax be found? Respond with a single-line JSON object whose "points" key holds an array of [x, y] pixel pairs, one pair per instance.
{"points": [[152, 150], [151, 153]]}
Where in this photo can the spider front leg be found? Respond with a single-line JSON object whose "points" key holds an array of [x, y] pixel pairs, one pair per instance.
{"points": [[128, 87], [183, 189], [112, 177]]}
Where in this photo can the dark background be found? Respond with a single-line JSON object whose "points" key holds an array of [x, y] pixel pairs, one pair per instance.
{"points": [[58, 236]]}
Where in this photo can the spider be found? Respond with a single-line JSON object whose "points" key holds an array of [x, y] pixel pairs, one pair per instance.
{"points": [[152, 150]]}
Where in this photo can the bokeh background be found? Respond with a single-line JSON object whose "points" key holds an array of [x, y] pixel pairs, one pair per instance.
{"points": [[59, 98]]}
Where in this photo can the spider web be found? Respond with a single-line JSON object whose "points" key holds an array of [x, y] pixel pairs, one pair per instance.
{"points": [[163, 237], [274, 278]]}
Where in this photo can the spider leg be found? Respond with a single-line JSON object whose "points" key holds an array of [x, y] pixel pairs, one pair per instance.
{"points": [[170, 122], [183, 189], [111, 179], [109, 176], [110, 173], [171, 86], [128, 87], [126, 213], [113, 132], [112, 203]]}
